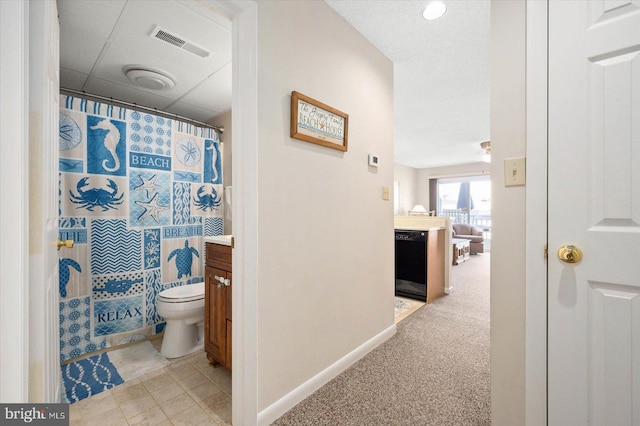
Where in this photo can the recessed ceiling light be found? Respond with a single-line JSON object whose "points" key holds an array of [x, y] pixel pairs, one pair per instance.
{"points": [[434, 10]]}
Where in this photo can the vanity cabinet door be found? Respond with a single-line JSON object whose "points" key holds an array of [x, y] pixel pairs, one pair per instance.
{"points": [[216, 318]]}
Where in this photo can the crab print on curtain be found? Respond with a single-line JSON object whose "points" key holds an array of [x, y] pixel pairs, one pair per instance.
{"points": [[138, 193]]}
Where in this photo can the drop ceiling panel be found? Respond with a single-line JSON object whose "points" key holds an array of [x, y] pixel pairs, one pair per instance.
{"points": [[120, 56], [120, 92], [90, 17], [210, 11], [82, 56], [100, 38], [71, 79], [192, 111], [139, 18], [132, 45], [219, 84]]}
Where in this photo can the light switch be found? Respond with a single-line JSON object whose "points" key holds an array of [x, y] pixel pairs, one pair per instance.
{"points": [[514, 171], [385, 193]]}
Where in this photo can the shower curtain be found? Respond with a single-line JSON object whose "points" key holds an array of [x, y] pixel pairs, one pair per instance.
{"points": [[137, 194]]}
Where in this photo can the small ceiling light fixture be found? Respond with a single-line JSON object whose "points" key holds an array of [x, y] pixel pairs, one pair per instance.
{"points": [[486, 145], [434, 10], [149, 78]]}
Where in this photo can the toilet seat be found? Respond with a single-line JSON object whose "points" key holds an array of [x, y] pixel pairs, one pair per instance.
{"points": [[182, 294]]}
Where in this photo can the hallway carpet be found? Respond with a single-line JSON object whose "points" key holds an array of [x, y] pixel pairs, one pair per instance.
{"points": [[434, 371]]}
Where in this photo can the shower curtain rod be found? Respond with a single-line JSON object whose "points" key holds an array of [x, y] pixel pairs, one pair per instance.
{"points": [[130, 105]]}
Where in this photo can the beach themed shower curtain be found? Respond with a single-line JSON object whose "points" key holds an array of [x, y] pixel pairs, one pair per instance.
{"points": [[137, 193]]}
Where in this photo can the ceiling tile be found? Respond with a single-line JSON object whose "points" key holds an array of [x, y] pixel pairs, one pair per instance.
{"points": [[119, 92], [103, 37], [218, 84], [91, 17], [133, 46], [70, 79], [192, 111], [79, 49], [139, 18]]}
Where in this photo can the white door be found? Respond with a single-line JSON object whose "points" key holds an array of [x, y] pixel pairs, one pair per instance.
{"points": [[14, 241], [44, 341], [594, 204]]}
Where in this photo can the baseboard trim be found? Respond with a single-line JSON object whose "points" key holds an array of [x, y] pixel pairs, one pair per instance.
{"points": [[287, 402]]}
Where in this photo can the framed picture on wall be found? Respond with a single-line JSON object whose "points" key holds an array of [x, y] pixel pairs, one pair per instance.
{"points": [[315, 122]]}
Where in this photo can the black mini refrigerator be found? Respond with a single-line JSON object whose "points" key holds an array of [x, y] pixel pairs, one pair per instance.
{"points": [[411, 264]]}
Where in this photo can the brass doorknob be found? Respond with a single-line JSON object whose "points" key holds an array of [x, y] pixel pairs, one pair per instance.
{"points": [[66, 243], [570, 254]]}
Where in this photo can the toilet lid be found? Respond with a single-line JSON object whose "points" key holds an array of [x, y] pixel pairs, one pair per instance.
{"points": [[183, 293]]}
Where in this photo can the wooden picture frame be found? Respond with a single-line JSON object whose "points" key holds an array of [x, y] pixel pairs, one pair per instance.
{"points": [[315, 122]]}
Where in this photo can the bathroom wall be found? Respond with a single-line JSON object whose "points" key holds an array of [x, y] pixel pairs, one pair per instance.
{"points": [[325, 235], [226, 139], [137, 194]]}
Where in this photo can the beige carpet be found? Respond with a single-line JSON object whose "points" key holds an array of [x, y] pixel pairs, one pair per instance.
{"points": [[434, 371]]}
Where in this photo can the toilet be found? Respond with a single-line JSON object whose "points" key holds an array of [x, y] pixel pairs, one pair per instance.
{"points": [[183, 309]]}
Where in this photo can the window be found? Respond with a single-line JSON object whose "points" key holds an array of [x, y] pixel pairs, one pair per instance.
{"points": [[466, 200]]}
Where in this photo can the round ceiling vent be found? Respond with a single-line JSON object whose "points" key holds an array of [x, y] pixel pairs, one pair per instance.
{"points": [[150, 79]]}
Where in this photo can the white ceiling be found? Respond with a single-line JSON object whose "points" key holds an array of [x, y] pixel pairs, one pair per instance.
{"points": [[441, 68], [99, 38], [441, 75]]}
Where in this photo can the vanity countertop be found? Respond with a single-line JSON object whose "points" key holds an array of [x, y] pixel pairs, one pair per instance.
{"points": [[224, 240]]}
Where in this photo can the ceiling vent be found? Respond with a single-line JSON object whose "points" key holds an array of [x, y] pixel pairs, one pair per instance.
{"points": [[165, 35]]}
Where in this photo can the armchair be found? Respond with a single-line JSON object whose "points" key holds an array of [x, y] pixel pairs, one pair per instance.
{"points": [[469, 232]]}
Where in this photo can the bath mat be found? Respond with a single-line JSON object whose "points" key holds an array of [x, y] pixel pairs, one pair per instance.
{"points": [[98, 373], [89, 376], [405, 307], [400, 304], [136, 360]]}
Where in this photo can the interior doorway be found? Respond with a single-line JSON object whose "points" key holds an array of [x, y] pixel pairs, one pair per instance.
{"points": [[243, 16]]}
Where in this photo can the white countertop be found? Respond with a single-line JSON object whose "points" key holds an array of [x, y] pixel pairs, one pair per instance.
{"points": [[224, 240]]}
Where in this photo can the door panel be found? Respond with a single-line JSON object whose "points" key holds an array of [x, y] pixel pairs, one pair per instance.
{"points": [[44, 343], [615, 105], [594, 203], [615, 375], [52, 309]]}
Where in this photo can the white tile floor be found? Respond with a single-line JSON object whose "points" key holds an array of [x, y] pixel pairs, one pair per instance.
{"points": [[187, 392]]}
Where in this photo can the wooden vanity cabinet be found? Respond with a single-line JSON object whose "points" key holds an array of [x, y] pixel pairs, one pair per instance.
{"points": [[217, 305]]}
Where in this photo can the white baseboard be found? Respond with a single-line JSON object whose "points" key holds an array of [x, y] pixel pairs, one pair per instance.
{"points": [[287, 402]]}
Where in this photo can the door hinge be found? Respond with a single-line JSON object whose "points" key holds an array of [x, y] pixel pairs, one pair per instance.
{"points": [[546, 251], [233, 243]]}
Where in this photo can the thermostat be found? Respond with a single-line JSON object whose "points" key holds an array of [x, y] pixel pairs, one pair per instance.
{"points": [[373, 160]]}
